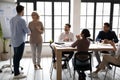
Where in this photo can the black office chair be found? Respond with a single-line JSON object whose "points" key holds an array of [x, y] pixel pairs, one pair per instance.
{"points": [[64, 59], [80, 64], [114, 70]]}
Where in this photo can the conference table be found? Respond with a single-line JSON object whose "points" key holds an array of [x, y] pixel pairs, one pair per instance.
{"points": [[60, 47]]}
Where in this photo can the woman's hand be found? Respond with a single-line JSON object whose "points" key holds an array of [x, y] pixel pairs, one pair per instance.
{"points": [[78, 36], [113, 44], [38, 28]]}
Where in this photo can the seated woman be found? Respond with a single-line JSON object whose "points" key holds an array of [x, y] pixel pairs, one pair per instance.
{"points": [[82, 44], [108, 59]]}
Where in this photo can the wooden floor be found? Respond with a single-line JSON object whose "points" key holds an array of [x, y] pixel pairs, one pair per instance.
{"points": [[44, 74]]}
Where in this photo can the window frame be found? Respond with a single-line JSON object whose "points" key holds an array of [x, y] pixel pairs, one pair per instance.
{"points": [[112, 2], [53, 1]]}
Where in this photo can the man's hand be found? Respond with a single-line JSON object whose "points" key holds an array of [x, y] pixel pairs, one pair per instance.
{"points": [[105, 41], [66, 39]]}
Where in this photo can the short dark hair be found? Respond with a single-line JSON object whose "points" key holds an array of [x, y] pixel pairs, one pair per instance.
{"points": [[86, 33], [107, 24], [68, 25], [19, 8]]}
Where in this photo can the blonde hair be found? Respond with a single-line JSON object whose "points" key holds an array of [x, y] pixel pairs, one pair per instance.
{"points": [[36, 14]]}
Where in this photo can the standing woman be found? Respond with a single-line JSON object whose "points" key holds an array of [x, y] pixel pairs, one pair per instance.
{"points": [[36, 28]]}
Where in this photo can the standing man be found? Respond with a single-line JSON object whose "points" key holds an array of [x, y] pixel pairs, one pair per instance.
{"points": [[67, 36], [18, 33], [105, 36]]}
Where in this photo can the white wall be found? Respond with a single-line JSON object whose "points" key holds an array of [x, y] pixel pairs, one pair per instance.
{"points": [[75, 16]]}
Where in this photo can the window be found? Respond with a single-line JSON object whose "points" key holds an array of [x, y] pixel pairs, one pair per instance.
{"points": [[116, 19], [102, 16], [61, 17], [45, 11], [28, 9], [104, 11], [86, 17], [54, 15]]}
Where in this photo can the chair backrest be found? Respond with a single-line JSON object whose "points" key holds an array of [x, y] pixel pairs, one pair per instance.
{"points": [[117, 65], [91, 40], [83, 53], [82, 64], [53, 53]]}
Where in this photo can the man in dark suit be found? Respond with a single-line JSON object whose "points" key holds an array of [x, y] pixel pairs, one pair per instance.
{"points": [[105, 36]]}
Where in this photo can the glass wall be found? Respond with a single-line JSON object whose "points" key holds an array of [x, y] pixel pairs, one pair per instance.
{"points": [[116, 19], [102, 16], [53, 15], [86, 16], [28, 9], [45, 11], [61, 17], [94, 13]]}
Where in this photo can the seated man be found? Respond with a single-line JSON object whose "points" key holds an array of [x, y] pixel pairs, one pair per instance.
{"points": [[67, 36], [105, 36]]}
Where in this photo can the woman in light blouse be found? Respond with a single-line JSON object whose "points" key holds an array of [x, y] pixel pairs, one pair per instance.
{"points": [[36, 28], [108, 59]]}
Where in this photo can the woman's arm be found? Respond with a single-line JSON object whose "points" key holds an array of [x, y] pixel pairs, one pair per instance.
{"points": [[40, 28], [113, 44]]}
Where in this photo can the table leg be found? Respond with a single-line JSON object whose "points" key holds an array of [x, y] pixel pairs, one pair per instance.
{"points": [[59, 66]]}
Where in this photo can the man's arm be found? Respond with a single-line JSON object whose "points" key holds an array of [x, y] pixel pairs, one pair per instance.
{"points": [[24, 27], [99, 37], [115, 38], [60, 38], [72, 37]]}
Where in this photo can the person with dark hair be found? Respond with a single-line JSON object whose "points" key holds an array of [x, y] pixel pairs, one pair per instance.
{"points": [[82, 44], [105, 36], [18, 33], [67, 36]]}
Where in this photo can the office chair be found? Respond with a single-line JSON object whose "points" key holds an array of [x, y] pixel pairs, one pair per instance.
{"points": [[114, 70], [80, 64], [64, 59]]}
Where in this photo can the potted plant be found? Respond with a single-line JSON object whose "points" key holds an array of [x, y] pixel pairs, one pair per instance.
{"points": [[4, 54]]}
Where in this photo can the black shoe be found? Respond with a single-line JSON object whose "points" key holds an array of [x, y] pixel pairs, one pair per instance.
{"points": [[97, 66], [109, 67], [82, 76], [64, 66]]}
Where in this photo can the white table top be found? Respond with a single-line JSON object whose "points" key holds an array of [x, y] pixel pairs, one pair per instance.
{"points": [[96, 46]]}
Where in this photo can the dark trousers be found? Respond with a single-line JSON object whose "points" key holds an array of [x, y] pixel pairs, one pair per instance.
{"points": [[18, 53], [69, 53]]}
